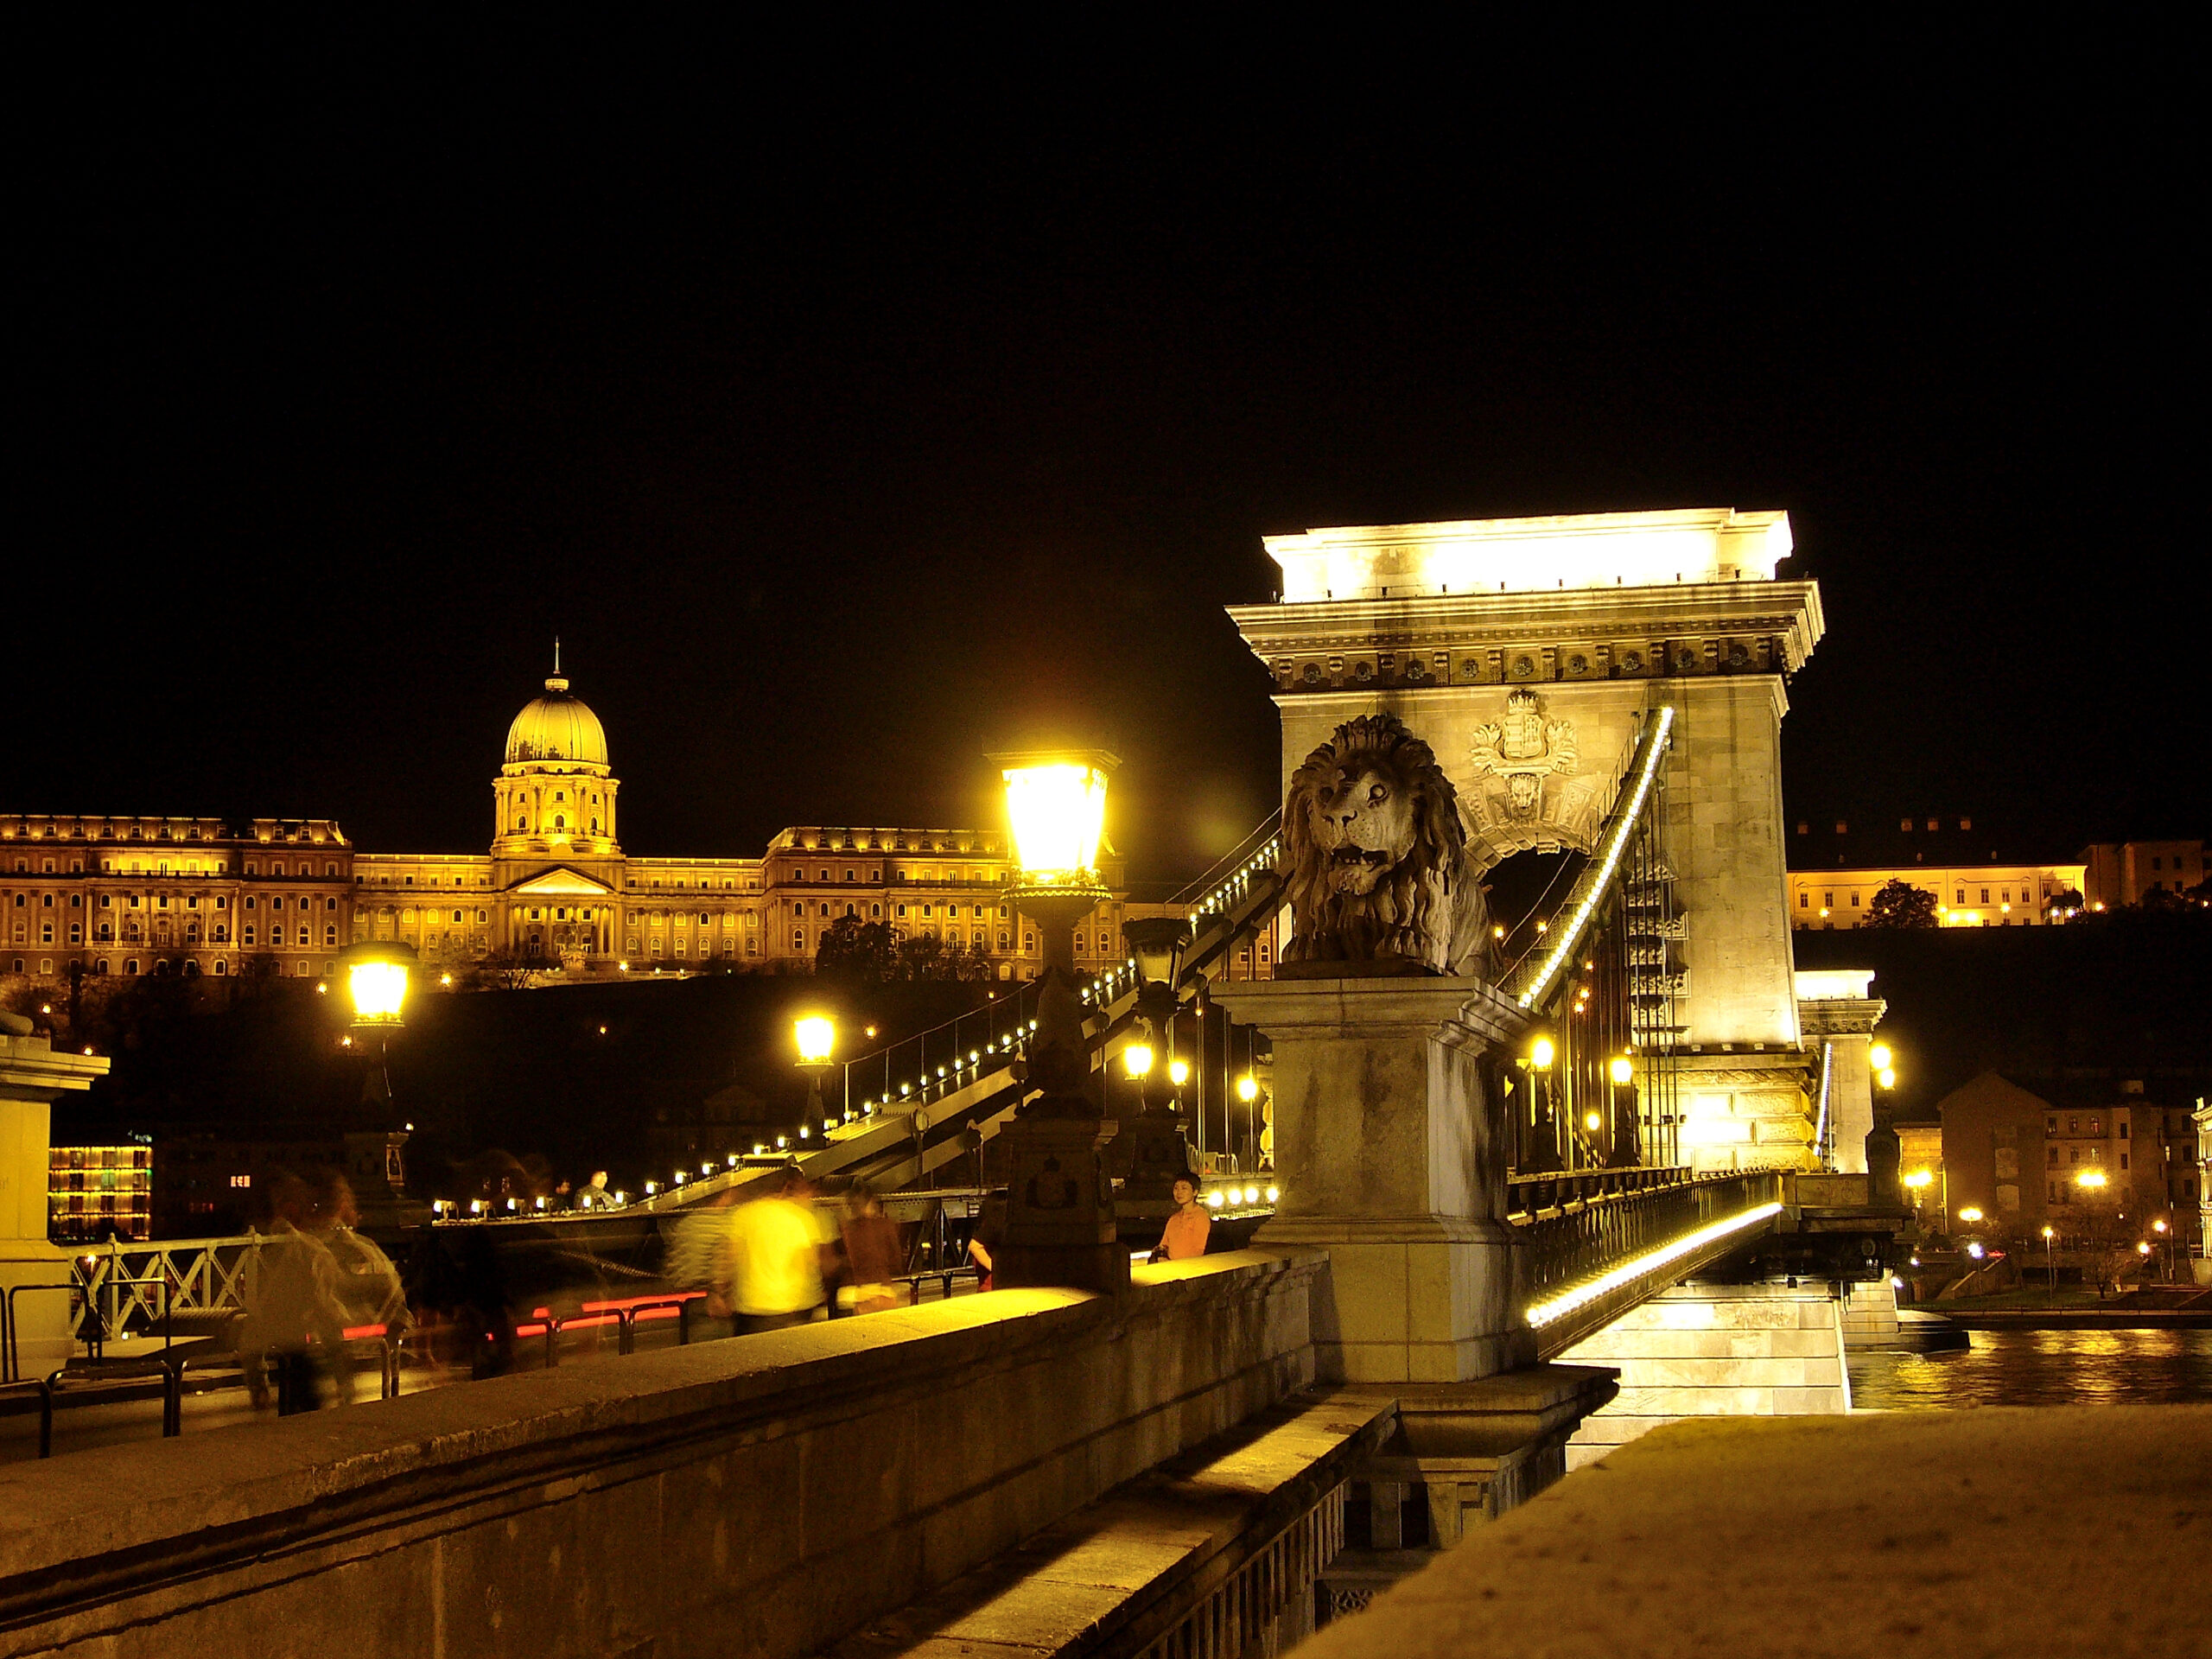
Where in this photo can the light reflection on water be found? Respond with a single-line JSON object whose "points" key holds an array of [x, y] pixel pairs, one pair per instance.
{"points": [[2039, 1368]]}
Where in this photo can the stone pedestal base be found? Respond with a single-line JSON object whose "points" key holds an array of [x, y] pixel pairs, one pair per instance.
{"points": [[1060, 1222], [1391, 1154], [1151, 1153], [42, 1341], [1412, 1299]]}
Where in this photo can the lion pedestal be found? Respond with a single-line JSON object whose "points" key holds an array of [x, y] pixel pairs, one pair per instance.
{"points": [[1390, 1150]]}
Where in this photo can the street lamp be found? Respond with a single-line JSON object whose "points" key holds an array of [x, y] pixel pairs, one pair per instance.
{"points": [[1248, 1090], [378, 974], [1918, 1181], [816, 1035], [2050, 1262], [1060, 1225]]}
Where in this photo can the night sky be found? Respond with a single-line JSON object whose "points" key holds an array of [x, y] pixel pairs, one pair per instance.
{"points": [[854, 404]]}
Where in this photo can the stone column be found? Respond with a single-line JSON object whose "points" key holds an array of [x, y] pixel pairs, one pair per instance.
{"points": [[1391, 1151], [31, 1077], [1847, 1023]]}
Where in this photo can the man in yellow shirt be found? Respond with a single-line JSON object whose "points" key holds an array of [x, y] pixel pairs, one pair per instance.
{"points": [[1188, 1227], [776, 1257]]}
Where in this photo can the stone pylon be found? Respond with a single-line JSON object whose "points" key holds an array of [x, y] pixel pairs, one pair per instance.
{"points": [[1391, 1151]]}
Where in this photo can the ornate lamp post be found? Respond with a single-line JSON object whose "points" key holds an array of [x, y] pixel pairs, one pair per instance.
{"points": [[1883, 1150], [1060, 1227], [379, 973], [1152, 1151], [816, 1036]]}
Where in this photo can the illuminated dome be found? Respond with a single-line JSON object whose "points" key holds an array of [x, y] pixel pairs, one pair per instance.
{"points": [[557, 727]]}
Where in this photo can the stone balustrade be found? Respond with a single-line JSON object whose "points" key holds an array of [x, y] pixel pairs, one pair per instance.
{"points": [[766, 1494]]}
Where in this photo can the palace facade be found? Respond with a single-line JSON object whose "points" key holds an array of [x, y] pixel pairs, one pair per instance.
{"points": [[202, 896]]}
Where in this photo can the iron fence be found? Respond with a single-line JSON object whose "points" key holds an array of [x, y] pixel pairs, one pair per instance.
{"points": [[1577, 1236]]}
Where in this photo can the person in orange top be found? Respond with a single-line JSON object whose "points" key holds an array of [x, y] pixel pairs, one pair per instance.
{"points": [[1187, 1227]]}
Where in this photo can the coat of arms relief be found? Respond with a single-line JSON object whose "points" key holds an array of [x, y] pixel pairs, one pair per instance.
{"points": [[1524, 767]]}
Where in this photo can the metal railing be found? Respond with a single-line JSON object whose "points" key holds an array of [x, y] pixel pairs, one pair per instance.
{"points": [[1575, 1238]]}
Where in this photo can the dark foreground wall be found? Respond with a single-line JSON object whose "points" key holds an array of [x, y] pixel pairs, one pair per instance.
{"points": [[760, 1496]]}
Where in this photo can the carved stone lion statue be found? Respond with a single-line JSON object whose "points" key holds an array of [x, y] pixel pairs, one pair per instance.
{"points": [[1375, 860]]}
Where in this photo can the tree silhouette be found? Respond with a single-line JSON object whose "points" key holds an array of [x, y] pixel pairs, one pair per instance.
{"points": [[1899, 904]]}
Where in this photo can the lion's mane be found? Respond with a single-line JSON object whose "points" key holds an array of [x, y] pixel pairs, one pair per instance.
{"points": [[1421, 908]]}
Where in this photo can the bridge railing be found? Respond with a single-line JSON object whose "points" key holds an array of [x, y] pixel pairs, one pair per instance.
{"points": [[1583, 1259]]}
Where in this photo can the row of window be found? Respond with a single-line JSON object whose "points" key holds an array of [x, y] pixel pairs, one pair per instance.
{"points": [[1958, 897], [2074, 1125], [2074, 1156], [130, 965]]}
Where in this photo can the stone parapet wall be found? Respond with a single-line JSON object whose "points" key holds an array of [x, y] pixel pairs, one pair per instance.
{"points": [[1706, 1350], [760, 1496]]}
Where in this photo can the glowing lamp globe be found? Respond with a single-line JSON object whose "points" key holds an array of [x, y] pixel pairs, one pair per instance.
{"points": [[1055, 805], [1880, 1055], [1178, 1072], [817, 1036], [1623, 1069], [1137, 1058], [1918, 1179], [1248, 1089], [1540, 1053], [377, 977]]}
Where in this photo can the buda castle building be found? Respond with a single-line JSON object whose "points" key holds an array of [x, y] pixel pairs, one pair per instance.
{"points": [[201, 896]]}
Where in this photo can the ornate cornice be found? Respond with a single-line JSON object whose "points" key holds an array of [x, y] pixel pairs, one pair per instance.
{"points": [[1685, 631]]}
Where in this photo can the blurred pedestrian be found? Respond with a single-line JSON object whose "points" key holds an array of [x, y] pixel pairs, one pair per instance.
{"points": [[776, 1258], [871, 1254], [367, 1285], [984, 1241], [295, 1325]]}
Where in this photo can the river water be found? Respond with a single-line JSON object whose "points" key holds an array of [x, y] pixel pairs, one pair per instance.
{"points": [[2039, 1368]]}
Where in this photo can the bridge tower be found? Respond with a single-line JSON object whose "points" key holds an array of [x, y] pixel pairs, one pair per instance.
{"points": [[1527, 652]]}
